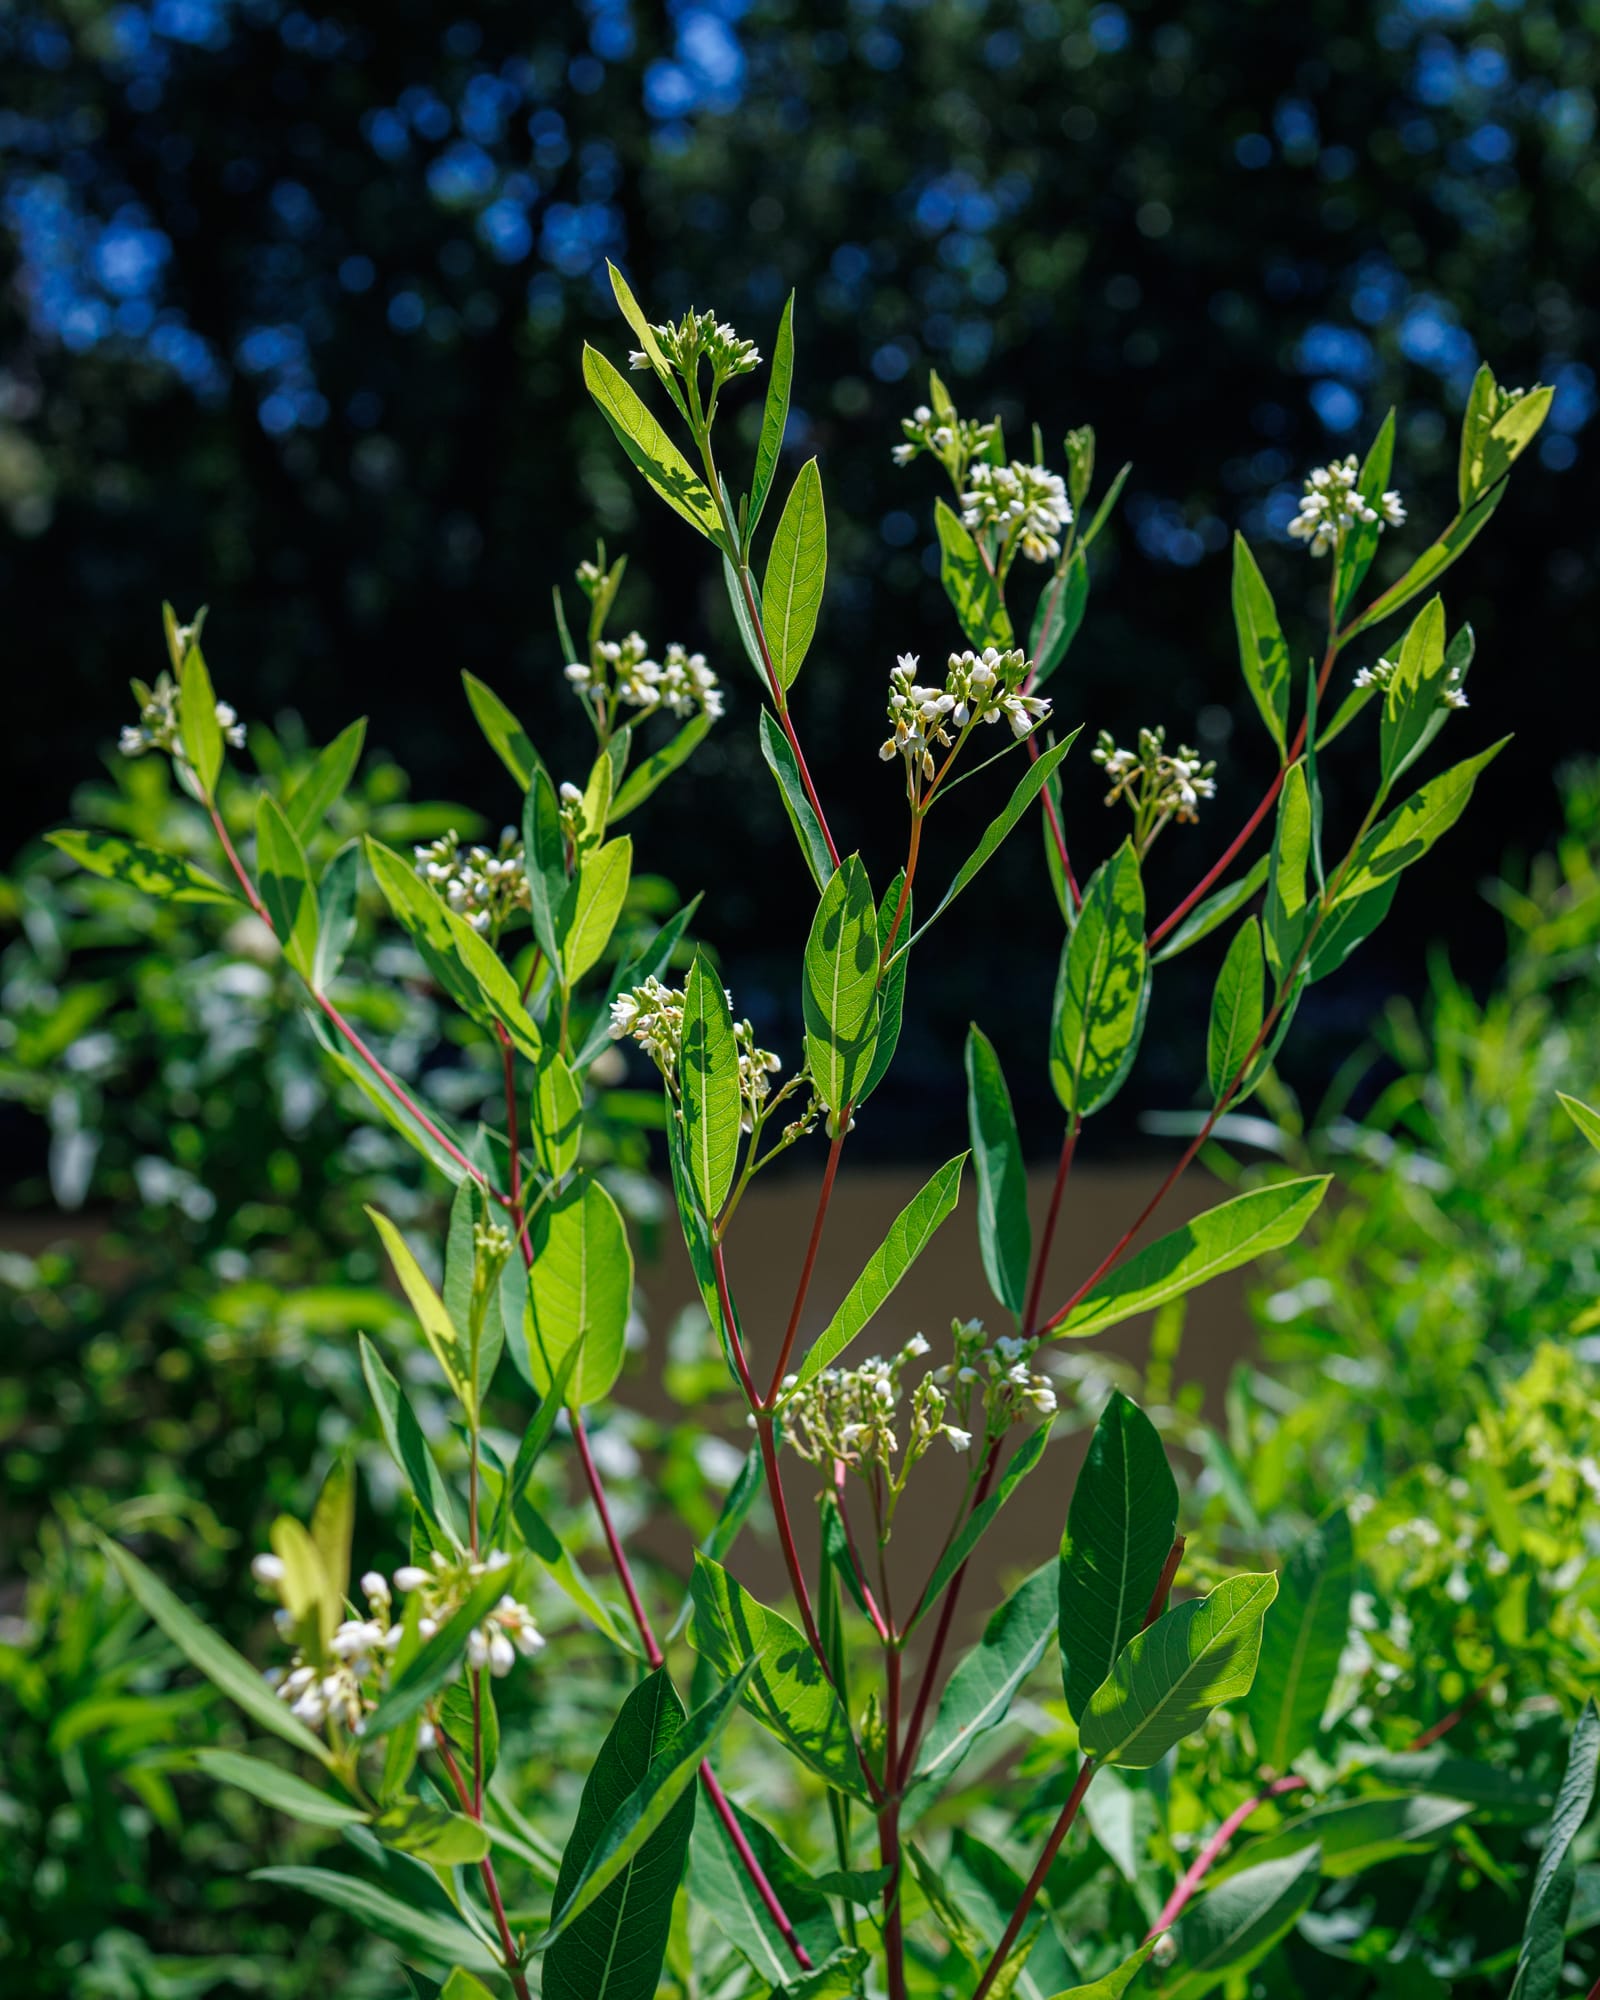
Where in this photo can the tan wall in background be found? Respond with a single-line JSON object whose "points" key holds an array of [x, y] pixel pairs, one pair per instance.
{"points": [[765, 1254]]}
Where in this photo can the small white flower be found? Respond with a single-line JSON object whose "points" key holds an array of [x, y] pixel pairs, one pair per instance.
{"points": [[960, 1440], [268, 1569]]}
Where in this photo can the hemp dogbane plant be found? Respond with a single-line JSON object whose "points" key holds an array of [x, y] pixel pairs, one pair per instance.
{"points": [[388, 1688]]}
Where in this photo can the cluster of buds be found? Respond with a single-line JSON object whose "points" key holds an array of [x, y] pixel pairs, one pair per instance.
{"points": [[158, 727], [992, 1384], [951, 439], [343, 1683], [652, 1016], [847, 1416], [701, 337], [978, 687], [1025, 505], [1158, 785], [1451, 695], [483, 885], [623, 671], [1331, 506]]}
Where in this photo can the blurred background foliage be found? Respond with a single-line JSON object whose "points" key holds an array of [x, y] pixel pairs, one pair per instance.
{"points": [[291, 305], [295, 294]]}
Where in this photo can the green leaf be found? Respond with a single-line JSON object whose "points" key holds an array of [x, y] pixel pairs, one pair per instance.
{"points": [[479, 1319], [534, 1440], [462, 1986], [892, 988], [1062, 604], [1304, 1638], [627, 1852], [1361, 542], [1027, 790], [1414, 697], [338, 898], [1218, 1240], [197, 720], [580, 1288], [1170, 1676], [1238, 1008], [545, 849], [1345, 927], [277, 1788], [467, 966], [708, 1071], [969, 584], [1263, 650], [401, 1922], [659, 766], [1490, 444], [557, 1126], [1288, 914], [721, 1885], [979, 1692], [780, 761], [1214, 911], [434, 1834], [1234, 1927], [437, 1660], [788, 1690], [1543, 1950], [839, 997], [140, 867], [503, 733], [1431, 564], [285, 884], [602, 887], [1023, 1460], [1413, 827], [1357, 1834], [333, 1519], [1111, 1985], [909, 1235], [650, 962], [326, 781], [1102, 989], [653, 453], [774, 417], [1004, 1237], [446, 1340], [395, 1114], [212, 1655], [1119, 1533], [408, 1447], [839, 1977], [797, 568], [1587, 1121]]}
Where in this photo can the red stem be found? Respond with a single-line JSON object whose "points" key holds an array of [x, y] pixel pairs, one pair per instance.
{"points": [[1448, 1722], [519, 1979], [779, 699], [880, 1624], [1052, 1847], [752, 1867], [1206, 1859], [1056, 834], [824, 1196], [1063, 1169], [1163, 1589], [619, 1560], [941, 1632]]}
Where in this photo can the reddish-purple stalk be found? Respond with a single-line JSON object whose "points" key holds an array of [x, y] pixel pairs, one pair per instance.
{"points": [[880, 1624], [941, 1631], [1208, 1856], [1052, 820], [508, 1944], [807, 1269], [1069, 1145], [1036, 1881]]}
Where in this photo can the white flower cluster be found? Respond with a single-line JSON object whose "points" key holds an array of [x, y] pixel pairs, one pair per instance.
{"points": [[847, 1416], [1331, 506], [623, 671], [978, 687], [701, 337], [1381, 673], [992, 1382], [158, 727], [484, 885], [1159, 785], [962, 437], [652, 1016], [1027, 503], [344, 1686]]}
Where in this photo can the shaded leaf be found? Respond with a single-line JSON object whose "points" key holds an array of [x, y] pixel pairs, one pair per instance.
{"points": [[973, 1529], [428, 1931], [1237, 1924], [1304, 1637], [1263, 650], [326, 781], [1102, 989], [969, 583], [140, 867], [652, 452], [774, 416], [1238, 1008], [708, 1070], [1004, 1237], [1413, 827], [780, 761], [980, 1691], [277, 1788]]}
